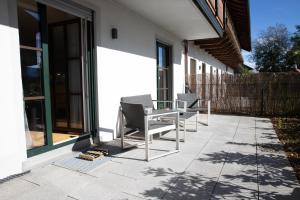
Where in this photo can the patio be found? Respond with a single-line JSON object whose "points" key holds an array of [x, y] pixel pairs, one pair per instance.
{"points": [[233, 158]]}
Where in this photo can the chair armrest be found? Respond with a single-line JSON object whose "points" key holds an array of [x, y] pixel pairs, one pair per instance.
{"points": [[208, 104], [161, 113], [184, 109], [163, 101], [166, 101]]}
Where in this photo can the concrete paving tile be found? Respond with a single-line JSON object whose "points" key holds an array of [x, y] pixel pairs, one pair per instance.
{"points": [[189, 193], [60, 178], [215, 146], [241, 147], [225, 193], [47, 192], [242, 178], [235, 189], [282, 193], [153, 180], [99, 190], [13, 188], [274, 177], [134, 170], [206, 169], [217, 162]]}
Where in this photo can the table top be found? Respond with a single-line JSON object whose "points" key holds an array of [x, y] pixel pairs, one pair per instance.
{"points": [[184, 115]]}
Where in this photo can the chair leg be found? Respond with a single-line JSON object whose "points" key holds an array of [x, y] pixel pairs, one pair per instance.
{"points": [[177, 131], [122, 131], [184, 130], [146, 139], [208, 111], [207, 119], [197, 122]]}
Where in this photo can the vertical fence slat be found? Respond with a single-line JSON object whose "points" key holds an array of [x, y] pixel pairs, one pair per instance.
{"points": [[256, 94]]}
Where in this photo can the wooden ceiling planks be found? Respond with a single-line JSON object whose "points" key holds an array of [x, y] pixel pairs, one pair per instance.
{"points": [[224, 49], [228, 48], [240, 14]]}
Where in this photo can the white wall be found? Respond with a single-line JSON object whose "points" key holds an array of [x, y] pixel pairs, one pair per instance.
{"points": [[127, 65], [12, 134]]}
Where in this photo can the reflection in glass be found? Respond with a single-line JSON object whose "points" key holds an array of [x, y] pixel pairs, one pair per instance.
{"points": [[31, 67], [28, 22], [73, 37], [34, 123], [75, 111], [31, 72]]}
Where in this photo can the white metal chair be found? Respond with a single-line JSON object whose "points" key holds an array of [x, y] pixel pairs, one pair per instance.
{"points": [[133, 109], [190, 103]]}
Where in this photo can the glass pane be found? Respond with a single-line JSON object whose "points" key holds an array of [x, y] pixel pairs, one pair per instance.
{"points": [[75, 76], [58, 44], [35, 124], [75, 111], [60, 111], [31, 73], [29, 18], [59, 82], [163, 78], [163, 95], [161, 57], [73, 40]]}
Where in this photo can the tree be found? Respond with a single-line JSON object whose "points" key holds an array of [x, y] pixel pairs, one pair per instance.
{"points": [[294, 53], [271, 48]]}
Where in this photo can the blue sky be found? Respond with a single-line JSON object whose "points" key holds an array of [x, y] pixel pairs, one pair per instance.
{"points": [[266, 13]]}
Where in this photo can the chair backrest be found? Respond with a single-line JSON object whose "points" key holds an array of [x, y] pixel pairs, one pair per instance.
{"points": [[134, 115], [190, 98], [145, 100]]}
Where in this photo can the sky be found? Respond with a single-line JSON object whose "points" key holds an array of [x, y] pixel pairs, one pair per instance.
{"points": [[265, 13]]}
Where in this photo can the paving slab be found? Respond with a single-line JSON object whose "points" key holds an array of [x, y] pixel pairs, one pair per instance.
{"points": [[13, 188], [235, 157]]}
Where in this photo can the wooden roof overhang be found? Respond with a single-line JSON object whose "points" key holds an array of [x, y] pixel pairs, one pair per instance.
{"points": [[240, 14], [225, 49]]}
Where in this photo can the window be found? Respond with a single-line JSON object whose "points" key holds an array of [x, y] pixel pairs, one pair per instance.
{"points": [[164, 74]]}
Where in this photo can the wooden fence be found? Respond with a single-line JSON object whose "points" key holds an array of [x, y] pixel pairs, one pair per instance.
{"points": [[263, 94]]}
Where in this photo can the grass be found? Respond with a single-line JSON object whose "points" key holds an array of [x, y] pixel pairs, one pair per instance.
{"points": [[288, 131]]}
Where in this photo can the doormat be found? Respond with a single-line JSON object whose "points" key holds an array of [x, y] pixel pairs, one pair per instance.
{"points": [[80, 165]]}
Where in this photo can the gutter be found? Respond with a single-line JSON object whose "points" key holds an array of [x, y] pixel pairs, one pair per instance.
{"points": [[209, 15]]}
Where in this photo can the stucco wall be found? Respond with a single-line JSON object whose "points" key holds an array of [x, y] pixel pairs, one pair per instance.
{"points": [[127, 65], [12, 134]]}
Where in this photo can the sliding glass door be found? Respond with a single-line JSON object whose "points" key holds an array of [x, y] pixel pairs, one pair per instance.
{"points": [[56, 50]]}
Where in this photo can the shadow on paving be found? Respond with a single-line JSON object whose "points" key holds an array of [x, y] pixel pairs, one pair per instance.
{"points": [[273, 179], [192, 186], [275, 196]]}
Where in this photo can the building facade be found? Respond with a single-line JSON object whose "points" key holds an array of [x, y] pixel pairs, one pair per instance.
{"points": [[65, 65]]}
